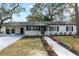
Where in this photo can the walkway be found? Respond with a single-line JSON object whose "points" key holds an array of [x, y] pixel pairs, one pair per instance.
{"points": [[7, 40], [59, 50]]}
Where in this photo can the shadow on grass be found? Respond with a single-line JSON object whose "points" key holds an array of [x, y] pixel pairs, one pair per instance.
{"points": [[32, 37]]}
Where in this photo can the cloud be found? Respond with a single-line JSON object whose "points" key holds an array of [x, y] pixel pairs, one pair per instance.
{"points": [[30, 6]]}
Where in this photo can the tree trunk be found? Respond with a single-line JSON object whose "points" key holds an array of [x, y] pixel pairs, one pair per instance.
{"points": [[77, 18], [1, 24]]}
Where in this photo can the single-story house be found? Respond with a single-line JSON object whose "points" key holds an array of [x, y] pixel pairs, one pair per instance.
{"points": [[39, 28]]}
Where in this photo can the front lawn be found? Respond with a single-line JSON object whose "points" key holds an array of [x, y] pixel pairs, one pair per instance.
{"points": [[27, 46], [71, 41]]}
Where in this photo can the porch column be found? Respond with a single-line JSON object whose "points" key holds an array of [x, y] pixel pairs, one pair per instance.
{"points": [[24, 29], [47, 30], [10, 30], [40, 29], [4, 30]]}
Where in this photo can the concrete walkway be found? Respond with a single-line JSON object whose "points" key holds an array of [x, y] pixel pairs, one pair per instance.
{"points": [[59, 50], [7, 40]]}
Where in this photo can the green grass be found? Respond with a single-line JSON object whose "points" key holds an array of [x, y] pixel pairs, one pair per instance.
{"points": [[72, 42], [27, 46]]}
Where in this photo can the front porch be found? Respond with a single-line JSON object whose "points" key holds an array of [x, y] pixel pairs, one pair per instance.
{"points": [[35, 30]]}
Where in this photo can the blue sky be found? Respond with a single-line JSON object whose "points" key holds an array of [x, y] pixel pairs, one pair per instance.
{"points": [[23, 15]]}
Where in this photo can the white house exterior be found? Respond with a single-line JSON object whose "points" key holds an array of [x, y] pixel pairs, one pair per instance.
{"points": [[38, 28]]}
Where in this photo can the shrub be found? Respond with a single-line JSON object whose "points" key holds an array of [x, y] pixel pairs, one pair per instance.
{"points": [[49, 48]]}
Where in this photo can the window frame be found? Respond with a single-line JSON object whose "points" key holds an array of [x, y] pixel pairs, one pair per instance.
{"points": [[54, 28], [69, 28]]}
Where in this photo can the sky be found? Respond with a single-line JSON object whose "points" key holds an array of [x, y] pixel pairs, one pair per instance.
{"points": [[23, 15]]}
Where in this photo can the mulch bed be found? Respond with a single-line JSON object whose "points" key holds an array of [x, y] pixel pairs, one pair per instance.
{"points": [[48, 48], [64, 45]]}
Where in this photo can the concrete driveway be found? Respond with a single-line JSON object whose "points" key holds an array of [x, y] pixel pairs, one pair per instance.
{"points": [[7, 40]]}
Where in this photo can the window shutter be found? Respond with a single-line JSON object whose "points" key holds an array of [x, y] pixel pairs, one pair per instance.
{"points": [[67, 28], [72, 28], [57, 28]]}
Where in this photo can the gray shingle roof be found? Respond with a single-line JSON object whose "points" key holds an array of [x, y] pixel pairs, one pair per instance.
{"points": [[40, 23], [24, 24]]}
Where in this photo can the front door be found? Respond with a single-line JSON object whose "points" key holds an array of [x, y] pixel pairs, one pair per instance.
{"points": [[21, 30], [43, 29]]}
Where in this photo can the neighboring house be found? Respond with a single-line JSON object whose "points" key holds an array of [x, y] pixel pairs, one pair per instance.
{"points": [[39, 28]]}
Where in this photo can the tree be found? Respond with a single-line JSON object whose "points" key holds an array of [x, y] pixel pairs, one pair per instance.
{"points": [[33, 18], [71, 9], [7, 10], [77, 18], [46, 11]]}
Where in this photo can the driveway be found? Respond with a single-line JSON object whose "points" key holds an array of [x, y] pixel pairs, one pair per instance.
{"points": [[59, 50], [7, 40]]}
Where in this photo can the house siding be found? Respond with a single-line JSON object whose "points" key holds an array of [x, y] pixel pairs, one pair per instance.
{"points": [[2, 30], [62, 29], [33, 33], [17, 30]]}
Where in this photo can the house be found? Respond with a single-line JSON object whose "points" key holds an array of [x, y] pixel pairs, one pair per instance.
{"points": [[39, 28]]}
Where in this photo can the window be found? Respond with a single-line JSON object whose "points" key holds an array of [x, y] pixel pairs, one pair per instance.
{"points": [[34, 28], [13, 30], [51, 28], [29, 28], [26, 28], [69, 28], [72, 28], [55, 28], [37, 28]]}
